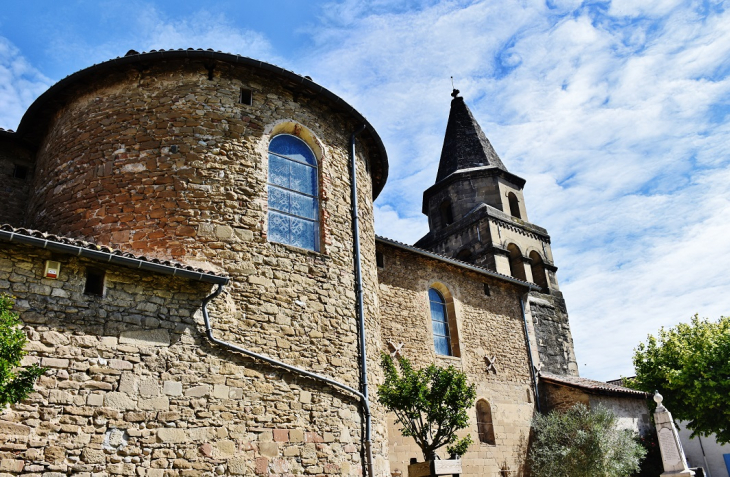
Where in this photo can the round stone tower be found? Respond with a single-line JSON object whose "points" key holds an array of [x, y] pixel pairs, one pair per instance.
{"points": [[172, 155]]}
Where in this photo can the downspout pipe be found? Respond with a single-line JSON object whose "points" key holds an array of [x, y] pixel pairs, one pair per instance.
{"points": [[275, 362], [529, 351], [359, 296]]}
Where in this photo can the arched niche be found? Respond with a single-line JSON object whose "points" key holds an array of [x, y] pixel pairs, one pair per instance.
{"points": [[485, 426]]}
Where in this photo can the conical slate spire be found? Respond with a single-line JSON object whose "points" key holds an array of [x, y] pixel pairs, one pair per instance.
{"points": [[465, 144]]}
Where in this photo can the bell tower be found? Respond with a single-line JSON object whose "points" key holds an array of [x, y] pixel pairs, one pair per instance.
{"points": [[476, 213]]}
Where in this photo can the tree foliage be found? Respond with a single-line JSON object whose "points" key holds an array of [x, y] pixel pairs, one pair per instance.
{"points": [[690, 366], [582, 443], [15, 383], [431, 404]]}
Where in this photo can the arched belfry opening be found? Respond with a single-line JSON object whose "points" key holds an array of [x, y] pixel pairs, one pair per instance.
{"points": [[514, 205], [516, 264], [447, 214], [538, 270]]}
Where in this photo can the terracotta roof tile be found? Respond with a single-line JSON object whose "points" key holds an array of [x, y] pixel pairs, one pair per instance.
{"points": [[10, 233], [589, 384]]}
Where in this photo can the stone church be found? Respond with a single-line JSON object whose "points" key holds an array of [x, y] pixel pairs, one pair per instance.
{"points": [[189, 239]]}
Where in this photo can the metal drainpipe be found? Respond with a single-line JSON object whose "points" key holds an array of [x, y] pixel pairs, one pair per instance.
{"points": [[359, 295], [529, 352], [275, 362]]}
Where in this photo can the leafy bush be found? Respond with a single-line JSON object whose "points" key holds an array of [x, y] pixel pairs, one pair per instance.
{"points": [[431, 404], [15, 383], [582, 443]]}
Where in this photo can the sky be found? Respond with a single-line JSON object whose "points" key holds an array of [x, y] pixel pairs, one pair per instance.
{"points": [[613, 111]]}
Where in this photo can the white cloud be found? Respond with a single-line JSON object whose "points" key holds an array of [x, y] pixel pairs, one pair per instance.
{"points": [[20, 84], [605, 113]]}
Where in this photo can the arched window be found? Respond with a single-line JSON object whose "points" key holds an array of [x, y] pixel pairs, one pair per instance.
{"points": [[514, 205], [538, 270], [516, 264], [439, 323], [447, 215], [485, 428], [293, 191]]}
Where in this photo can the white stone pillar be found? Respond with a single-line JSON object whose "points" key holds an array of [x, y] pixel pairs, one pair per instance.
{"points": [[673, 459]]}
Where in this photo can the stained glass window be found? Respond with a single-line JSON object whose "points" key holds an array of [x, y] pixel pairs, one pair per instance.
{"points": [[439, 322], [293, 204]]}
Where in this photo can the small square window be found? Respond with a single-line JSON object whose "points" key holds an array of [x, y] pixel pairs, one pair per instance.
{"points": [[379, 259], [94, 282], [246, 97], [20, 172]]}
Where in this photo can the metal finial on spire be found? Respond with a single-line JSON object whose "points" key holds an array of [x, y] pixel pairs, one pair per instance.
{"points": [[455, 91]]}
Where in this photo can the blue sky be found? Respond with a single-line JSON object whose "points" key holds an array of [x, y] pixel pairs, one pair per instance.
{"points": [[614, 111]]}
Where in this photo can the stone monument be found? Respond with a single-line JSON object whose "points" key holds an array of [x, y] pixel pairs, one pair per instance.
{"points": [[673, 459]]}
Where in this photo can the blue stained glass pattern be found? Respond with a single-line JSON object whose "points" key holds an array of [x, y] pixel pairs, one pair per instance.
{"points": [[293, 148], [293, 191], [441, 344], [439, 323]]}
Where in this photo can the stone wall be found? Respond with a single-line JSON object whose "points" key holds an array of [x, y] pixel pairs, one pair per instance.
{"points": [[552, 338], [14, 191], [134, 388], [631, 411], [485, 325]]}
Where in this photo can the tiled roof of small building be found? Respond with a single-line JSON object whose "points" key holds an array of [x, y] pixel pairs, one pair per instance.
{"points": [[106, 254], [590, 385], [453, 261]]}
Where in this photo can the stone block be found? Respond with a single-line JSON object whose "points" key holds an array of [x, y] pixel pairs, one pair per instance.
{"points": [[160, 403], [54, 363], [221, 391], [269, 449], [262, 465], [171, 435], [237, 466], [148, 387], [119, 401], [198, 391], [145, 338], [281, 435], [14, 429], [172, 388], [11, 465], [305, 397], [296, 435]]}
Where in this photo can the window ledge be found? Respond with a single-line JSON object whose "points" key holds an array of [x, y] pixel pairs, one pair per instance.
{"points": [[307, 251]]}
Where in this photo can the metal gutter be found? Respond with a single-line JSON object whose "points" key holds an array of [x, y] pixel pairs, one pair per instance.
{"points": [[107, 257], [458, 263], [533, 375], [359, 296]]}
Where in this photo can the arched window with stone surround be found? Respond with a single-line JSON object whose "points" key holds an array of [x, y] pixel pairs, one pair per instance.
{"points": [[514, 205], [443, 321], [516, 264], [485, 426], [293, 193], [538, 270]]}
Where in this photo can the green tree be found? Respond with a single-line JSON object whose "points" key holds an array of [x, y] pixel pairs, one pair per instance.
{"points": [[15, 383], [690, 366], [431, 404], [582, 443]]}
